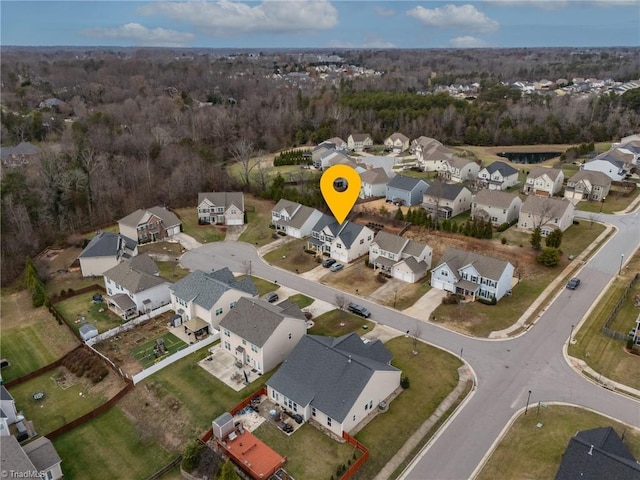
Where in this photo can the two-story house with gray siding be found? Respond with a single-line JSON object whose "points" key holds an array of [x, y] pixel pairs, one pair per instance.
{"points": [[448, 200], [343, 243], [546, 213], [221, 208], [402, 258], [587, 185], [294, 219], [497, 176], [406, 190], [496, 206]]}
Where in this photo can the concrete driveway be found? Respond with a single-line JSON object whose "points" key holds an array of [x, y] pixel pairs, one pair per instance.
{"points": [[423, 308]]}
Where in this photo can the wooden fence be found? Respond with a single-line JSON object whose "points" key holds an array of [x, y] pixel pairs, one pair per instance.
{"points": [[39, 371], [606, 328], [166, 469], [360, 461]]}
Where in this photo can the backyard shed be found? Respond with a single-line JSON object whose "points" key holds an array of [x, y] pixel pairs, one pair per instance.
{"points": [[88, 331], [223, 426]]}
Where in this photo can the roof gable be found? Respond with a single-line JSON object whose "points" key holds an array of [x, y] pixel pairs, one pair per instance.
{"points": [[205, 289], [504, 168], [494, 198], [107, 244], [131, 278], [486, 266], [406, 183]]}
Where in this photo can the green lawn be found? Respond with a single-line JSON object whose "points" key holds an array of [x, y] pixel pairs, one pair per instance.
{"points": [[531, 453], [258, 232], [172, 271], [202, 233], [429, 386], [261, 284], [145, 353], [61, 404], [615, 202], [162, 248], [301, 300], [327, 453], [338, 322], [291, 256], [109, 447], [604, 354], [82, 305]]}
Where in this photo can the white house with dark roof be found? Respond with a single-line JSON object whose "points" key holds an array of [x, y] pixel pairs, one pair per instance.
{"points": [[344, 242], [587, 185], [373, 183], [152, 225], [209, 296], [406, 190], [294, 219], [222, 208], [472, 274], [397, 142], [496, 206], [544, 182], [402, 258], [457, 169], [447, 199], [546, 213], [497, 176], [260, 334], [36, 459], [8, 409], [609, 164], [105, 251], [134, 287], [358, 142], [336, 382], [336, 142]]}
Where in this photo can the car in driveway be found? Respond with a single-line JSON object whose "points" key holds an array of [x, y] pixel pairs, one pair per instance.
{"points": [[336, 266], [271, 297], [573, 283], [328, 262], [359, 310]]}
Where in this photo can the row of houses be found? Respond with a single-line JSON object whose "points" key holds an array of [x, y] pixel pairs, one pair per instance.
{"points": [[619, 162]]}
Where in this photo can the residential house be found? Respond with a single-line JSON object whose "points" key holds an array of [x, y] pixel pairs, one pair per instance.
{"points": [[406, 190], [358, 142], [609, 164], [472, 274], [596, 454], [544, 182], [587, 185], [496, 206], [209, 296], [331, 158], [21, 154], [373, 183], [497, 176], [8, 409], [402, 258], [135, 287], [343, 243], [397, 142], [36, 459], [422, 143], [631, 150], [337, 142], [294, 219], [224, 208], [375, 161], [546, 213], [260, 334], [318, 152], [430, 153], [335, 382], [457, 169], [105, 251], [446, 199], [152, 225]]}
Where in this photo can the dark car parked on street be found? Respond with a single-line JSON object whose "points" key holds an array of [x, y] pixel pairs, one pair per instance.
{"points": [[359, 310], [573, 283]]}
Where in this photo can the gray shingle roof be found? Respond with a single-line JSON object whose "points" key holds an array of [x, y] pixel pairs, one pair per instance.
{"points": [[414, 248], [398, 136], [330, 373], [504, 168], [597, 454], [144, 263], [552, 173], [42, 453], [551, 207], [205, 289], [494, 198], [415, 266], [326, 220], [448, 191], [405, 183], [223, 199], [458, 162], [360, 137], [255, 320], [390, 242], [133, 280], [301, 216], [349, 232], [4, 393], [374, 176], [488, 267], [594, 177], [287, 205], [135, 218], [107, 244], [13, 456]]}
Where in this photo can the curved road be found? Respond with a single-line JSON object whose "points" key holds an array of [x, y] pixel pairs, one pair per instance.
{"points": [[505, 369]]}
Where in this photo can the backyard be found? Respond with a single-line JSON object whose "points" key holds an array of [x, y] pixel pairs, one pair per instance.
{"points": [[31, 337], [149, 353], [529, 452], [81, 309]]}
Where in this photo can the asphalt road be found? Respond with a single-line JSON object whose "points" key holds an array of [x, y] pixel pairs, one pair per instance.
{"points": [[506, 370]]}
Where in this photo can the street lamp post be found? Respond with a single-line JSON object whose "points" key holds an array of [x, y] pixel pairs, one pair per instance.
{"points": [[527, 405], [621, 262], [571, 335]]}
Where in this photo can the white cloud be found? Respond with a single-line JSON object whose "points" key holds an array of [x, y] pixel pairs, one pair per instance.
{"points": [[141, 35], [559, 4], [226, 17], [465, 17], [371, 41], [383, 11], [467, 42]]}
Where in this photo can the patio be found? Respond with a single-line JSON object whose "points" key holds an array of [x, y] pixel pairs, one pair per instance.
{"points": [[222, 365]]}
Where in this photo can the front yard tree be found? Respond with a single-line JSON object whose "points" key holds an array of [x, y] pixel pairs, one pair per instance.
{"points": [[549, 257], [536, 238], [342, 301], [554, 239]]}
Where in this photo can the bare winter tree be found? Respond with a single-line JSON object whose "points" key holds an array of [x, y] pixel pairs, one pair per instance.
{"points": [[242, 151], [341, 301], [415, 336]]}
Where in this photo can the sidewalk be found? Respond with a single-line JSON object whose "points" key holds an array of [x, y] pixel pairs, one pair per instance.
{"points": [[407, 449], [581, 366]]}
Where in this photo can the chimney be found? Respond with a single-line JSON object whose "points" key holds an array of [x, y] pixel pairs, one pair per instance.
{"points": [[349, 359], [590, 452]]}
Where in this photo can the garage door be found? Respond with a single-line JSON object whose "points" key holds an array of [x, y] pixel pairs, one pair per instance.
{"points": [[438, 284]]}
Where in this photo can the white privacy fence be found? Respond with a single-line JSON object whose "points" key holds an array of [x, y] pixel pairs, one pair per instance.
{"points": [[129, 325]]}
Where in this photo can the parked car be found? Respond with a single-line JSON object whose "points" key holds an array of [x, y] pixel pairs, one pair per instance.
{"points": [[359, 310], [573, 283], [328, 262], [336, 266], [271, 297]]}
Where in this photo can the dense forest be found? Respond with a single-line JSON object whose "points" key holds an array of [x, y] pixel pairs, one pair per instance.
{"points": [[140, 127]]}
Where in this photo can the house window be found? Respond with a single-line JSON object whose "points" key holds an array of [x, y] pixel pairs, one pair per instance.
{"points": [[354, 418], [329, 421], [276, 396], [313, 411], [444, 273], [234, 211], [220, 209], [244, 342], [369, 237], [362, 241], [227, 333], [218, 312], [370, 403], [366, 407], [227, 345], [232, 304], [254, 349], [109, 291], [338, 245], [289, 335]]}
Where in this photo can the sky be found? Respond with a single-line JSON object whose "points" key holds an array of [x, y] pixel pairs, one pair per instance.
{"points": [[322, 23]]}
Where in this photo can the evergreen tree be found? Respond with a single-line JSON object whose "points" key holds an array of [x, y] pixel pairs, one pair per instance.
{"points": [[399, 215], [536, 239], [549, 257], [554, 239]]}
